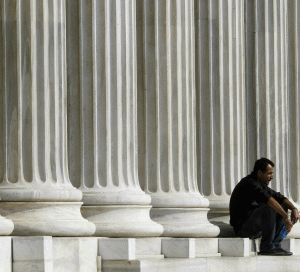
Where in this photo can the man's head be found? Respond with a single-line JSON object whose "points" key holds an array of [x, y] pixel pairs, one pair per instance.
{"points": [[263, 169]]}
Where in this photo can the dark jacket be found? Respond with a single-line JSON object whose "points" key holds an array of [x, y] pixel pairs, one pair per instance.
{"points": [[247, 196]]}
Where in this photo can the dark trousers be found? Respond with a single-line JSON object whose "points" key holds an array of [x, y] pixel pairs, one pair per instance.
{"points": [[266, 223]]}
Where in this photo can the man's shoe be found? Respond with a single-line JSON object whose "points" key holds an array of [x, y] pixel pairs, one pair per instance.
{"points": [[287, 253], [275, 252]]}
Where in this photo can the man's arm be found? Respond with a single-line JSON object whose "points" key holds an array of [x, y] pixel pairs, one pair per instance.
{"points": [[294, 213], [277, 207]]}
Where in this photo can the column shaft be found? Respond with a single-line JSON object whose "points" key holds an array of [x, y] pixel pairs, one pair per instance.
{"points": [[221, 105], [103, 117], [167, 139]]}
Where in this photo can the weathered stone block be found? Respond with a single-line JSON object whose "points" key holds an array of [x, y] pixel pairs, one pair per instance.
{"points": [[76, 254], [178, 247], [117, 248], [234, 247], [32, 254]]}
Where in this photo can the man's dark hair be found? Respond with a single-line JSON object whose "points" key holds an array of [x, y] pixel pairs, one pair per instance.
{"points": [[262, 164]]}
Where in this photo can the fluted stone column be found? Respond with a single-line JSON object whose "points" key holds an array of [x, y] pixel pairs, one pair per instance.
{"points": [[293, 105], [221, 104], [167, 135], [103, 117], [35, 190]]}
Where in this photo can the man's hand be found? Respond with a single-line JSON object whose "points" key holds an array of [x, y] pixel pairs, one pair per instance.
{"points": [[288, 224], [295, 216]]}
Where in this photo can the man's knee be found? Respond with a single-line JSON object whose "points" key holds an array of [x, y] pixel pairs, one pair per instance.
{"points": [[270, 210]]}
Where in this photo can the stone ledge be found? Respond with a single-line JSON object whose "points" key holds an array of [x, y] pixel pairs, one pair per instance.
{"points": [[95, 254]]}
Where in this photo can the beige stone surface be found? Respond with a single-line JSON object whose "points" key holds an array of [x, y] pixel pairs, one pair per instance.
{"points": [[76, 254]]}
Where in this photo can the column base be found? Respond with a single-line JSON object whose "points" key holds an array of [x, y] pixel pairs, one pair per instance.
{"points": [[6, 226], [47, 218], [220, 218], [122, 220], [219, 214], [184, 222]]}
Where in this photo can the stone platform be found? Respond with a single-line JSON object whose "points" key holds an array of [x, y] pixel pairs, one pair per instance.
{"points": [[95, 254], [211, 264]]}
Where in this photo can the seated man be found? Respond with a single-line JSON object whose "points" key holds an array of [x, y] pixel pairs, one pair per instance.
{"points": [[258, 211]]}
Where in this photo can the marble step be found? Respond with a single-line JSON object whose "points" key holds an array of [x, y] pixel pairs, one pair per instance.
{"points": [[210, 264]]}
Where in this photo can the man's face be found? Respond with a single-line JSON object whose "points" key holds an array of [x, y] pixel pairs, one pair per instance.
{"points": [[265, 177]]}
